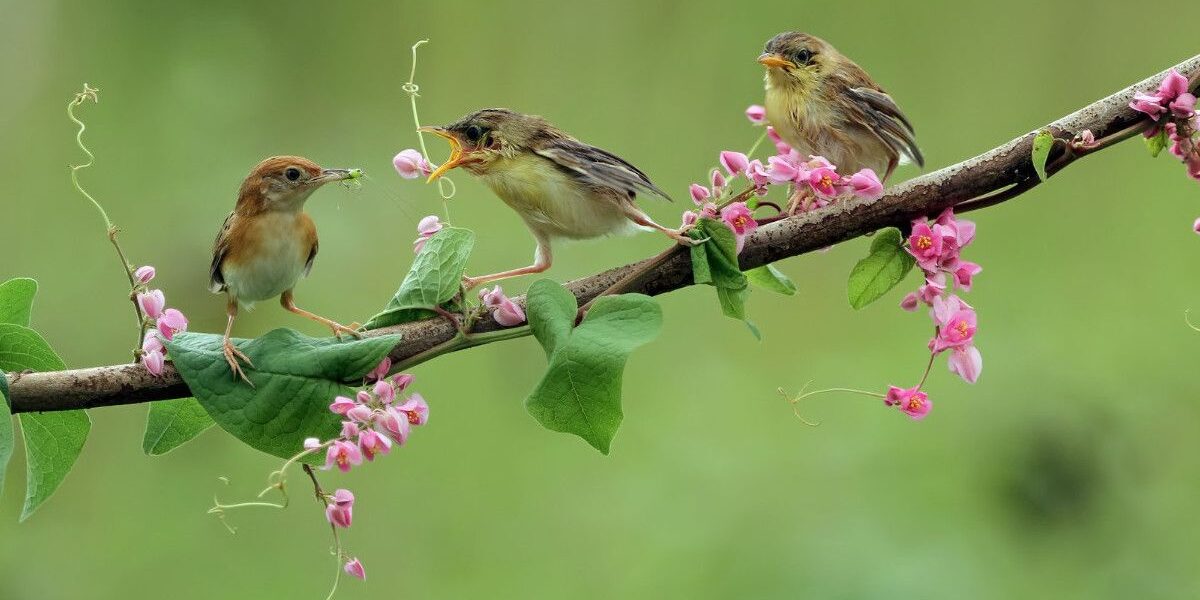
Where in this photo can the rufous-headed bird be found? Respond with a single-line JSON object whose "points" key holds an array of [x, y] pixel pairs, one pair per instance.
{"points": [[560, 186], [822, 103], [268, 242]]}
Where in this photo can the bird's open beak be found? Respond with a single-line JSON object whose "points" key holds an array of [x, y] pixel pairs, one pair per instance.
{"points": [[775, 61], [457, 156], [328, 175]]}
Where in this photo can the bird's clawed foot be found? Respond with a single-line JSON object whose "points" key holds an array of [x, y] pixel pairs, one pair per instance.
{"points": [[232, 355], [338, 329], [680, 235]]}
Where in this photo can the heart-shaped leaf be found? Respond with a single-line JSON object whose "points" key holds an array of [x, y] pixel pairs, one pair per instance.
{"points": [[171, 423], [770, 278], [881, 270], [16, 300], [295, 379], [435, 278]]}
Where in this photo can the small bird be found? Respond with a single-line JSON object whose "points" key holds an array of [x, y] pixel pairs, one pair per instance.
{"points": [[268, 242], [561, 187], [822, 103]]}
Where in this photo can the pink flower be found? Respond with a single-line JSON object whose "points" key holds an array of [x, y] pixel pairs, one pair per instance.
{"points": [[171, 322], [311, 443], [504, 311], [966, 362], [964, 231], [152, 303], [924, 246], [824, 181], [355, 568], [758, 175], [1196, 225], [395, 424], [401, 381], [340, 510], [956, 324], [781, 146], [689, 219], [381, 370], [349, 429], [361, 413], [740, 219], [1172, 86], [866, 184], [756, 114], [153, 361], [717, 180], [143, 275], [782, 170], [342, 405], [734, 162], [896, 395], [384, 391], [708, 211], [410, 164], [425, 230], [699, 193], [362, 397], [152, 343], [415, 409], [1148, 104], [343, 454], [934, 285], [1184, 106], [372, 443], [910, 302], [964, 273], [912, 401]]}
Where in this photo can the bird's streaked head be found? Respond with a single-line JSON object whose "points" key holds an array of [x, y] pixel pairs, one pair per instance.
{"points": [[285, 182], [483, 136], [795, 58]]}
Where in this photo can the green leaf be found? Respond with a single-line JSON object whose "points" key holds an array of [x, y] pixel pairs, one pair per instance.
{"points": [[295, 378], [770, 278], [171, 423], [6, 429], [435, 278], [1157, 143], [715, 263], [556, 309], [881, 270], [53, 440], [16, 300], [1042, 143], [581, 390]]}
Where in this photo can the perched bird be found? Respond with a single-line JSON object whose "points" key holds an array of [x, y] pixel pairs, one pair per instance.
{"points": [[561, 187], [268, 242], [822, 103]]}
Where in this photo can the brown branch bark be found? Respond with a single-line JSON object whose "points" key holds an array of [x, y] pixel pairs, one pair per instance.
{"points": [[988, 179]]}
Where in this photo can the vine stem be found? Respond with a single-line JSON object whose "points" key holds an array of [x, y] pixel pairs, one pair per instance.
{"points": [[90, 93], [462, 341], [446, 187]]}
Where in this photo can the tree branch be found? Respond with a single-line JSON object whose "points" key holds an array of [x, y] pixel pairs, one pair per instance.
{"points": [[982, 181]]}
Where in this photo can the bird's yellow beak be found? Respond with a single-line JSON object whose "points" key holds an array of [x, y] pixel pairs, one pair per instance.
{"points": [[328, 175], [775, 61], [457, 156]]}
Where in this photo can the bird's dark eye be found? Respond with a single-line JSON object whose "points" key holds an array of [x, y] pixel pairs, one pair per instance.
{"points": [[803, 56], [292, 173], [474, 132]]}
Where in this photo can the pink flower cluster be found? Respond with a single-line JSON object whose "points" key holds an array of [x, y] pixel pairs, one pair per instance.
{"points": [[1173, 109], [411, 164], [503, 309], [425, 230], [165, 322], [375, 420]]}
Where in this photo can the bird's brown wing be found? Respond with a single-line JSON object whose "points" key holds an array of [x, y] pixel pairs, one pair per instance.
{"points": [[598, 167], [879, 112], [216, 281]]}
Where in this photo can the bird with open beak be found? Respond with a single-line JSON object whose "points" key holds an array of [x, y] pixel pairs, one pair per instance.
{"points": [[822, 103], [562, 188], [268, 242]]}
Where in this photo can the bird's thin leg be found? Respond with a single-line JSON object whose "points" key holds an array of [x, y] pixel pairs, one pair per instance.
{"points": [[542, 258], [232, 354], [338, 329], [641, 218]]}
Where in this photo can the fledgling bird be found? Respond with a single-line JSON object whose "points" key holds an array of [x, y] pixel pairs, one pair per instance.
{"points": [[560, 187], [268, 242], [822, 103]]}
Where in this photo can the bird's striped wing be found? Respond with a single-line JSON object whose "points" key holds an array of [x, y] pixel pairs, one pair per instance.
{"points": [[599, 167], [877, 109], [216, 281]]}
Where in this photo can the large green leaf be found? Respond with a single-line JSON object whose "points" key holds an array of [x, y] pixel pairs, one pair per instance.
{"points": [[7, 439], [16, 300], [53, 440], [715, 263], [770, 278], [295, 378], [435, 278], [581, 390], [881, 270], [171, 423]]}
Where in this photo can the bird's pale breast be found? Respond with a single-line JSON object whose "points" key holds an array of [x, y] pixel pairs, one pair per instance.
{"points": [[268, 255], [815, 128]]}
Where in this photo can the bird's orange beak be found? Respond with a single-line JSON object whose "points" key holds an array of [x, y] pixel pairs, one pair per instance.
{"points": [[457, 156], [775, 61]]}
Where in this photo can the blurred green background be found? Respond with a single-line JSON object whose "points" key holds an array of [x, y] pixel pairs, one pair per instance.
{"points": [[1068, 471]]}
